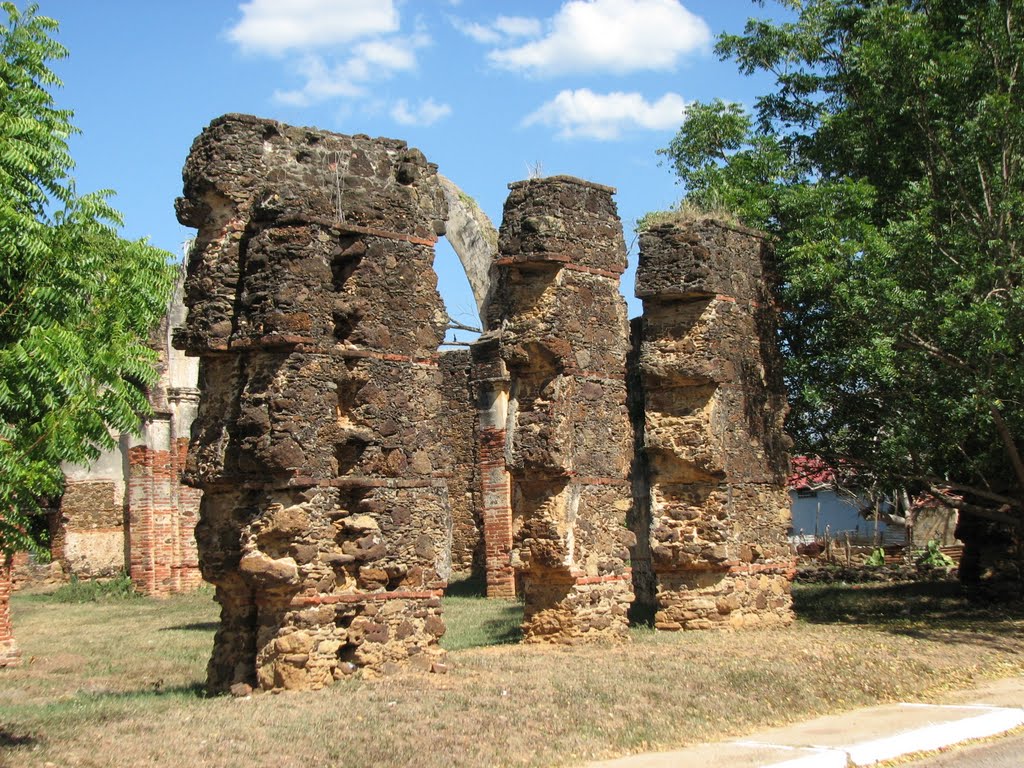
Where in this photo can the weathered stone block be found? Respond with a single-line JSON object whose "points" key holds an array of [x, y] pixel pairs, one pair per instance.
{"points": [[314, 310], [708, 407]]}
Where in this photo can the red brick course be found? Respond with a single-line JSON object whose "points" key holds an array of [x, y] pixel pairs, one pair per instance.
{"points": [[163, 514]]}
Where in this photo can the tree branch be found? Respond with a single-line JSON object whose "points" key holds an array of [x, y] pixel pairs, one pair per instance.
{"points": [[1009, 444], [979, 492], [911, 339], [455, 325], [996, 515]]}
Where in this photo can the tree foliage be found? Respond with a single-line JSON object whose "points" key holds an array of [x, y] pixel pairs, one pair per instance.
{"points": [[77, 302], [887, 162]]}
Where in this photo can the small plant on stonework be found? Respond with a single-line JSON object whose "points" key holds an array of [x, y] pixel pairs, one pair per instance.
{"points": [[686, 212], [877, 558], [934, 557], [96, 591]]}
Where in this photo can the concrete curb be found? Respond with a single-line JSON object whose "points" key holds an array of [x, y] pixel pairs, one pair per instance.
{"points": [[819, 758], [992, 721], [989, 721], [892, 730]]}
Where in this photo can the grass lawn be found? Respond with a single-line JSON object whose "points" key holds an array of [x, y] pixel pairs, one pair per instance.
{"points": [[118, 683]]}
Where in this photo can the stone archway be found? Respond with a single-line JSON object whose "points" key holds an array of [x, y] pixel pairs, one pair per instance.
{"points": [[474, 240]]}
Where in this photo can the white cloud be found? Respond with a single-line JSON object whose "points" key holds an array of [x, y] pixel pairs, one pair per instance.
{"points": [[604, 116], [517, 26], [503, 29], [616, 36], [370, 61], [274, 26], [427, 112], [478, 32]]}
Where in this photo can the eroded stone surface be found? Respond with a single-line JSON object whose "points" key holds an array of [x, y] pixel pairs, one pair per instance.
{"points": [[326, 524], [551, 386], [709, 481], [331, 436]]}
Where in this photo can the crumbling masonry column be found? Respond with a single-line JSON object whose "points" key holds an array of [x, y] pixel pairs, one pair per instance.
{"points": [[556, 440], [162, 512], [325, 522], [712, 456]]}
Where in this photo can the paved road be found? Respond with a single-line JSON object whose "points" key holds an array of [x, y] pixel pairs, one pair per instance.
{"points": [[1007, 752]]}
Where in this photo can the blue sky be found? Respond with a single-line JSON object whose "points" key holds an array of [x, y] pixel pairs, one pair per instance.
{"points": [[487, 90]]}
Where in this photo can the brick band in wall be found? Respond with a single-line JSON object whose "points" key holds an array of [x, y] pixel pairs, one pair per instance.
{"points": [[320, 439]]}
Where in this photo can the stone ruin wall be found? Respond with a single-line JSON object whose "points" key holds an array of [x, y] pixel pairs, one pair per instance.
{"points": [[128, 512], [326, 523], [334, 497], [10, 654], [459, 425], [712, 461], [87, 536], [552, 371]]}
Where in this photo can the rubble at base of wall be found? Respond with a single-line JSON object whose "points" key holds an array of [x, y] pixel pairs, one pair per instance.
{"points": [[28, 574]]}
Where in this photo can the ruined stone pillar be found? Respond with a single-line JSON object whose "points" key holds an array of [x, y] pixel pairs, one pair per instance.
{"points": [[151, 508], [713, 503], [325, 522], [10, 656], [491, 385], [558, 422], [162, 512]]}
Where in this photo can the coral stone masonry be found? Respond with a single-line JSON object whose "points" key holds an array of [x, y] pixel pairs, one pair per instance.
{"points": [[712, 460], [10, 656], [325, 523], [345, 464], [559, 334]]}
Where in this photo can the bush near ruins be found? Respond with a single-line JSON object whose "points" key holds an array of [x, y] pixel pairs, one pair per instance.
{"points": [[76, 301], [887, 162]]}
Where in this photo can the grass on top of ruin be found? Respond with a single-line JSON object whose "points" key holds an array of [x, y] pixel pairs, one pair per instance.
{"points": [[118, 682]]}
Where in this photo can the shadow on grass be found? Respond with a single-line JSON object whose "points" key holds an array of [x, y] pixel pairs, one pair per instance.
{"points": [[507, 629], [155, 690], [929, 610], [196, 626], [474, 620], [11, 739], [471, 586]]}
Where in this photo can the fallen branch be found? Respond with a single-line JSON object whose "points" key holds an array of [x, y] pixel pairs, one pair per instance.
{"points": [[1000, 515]]}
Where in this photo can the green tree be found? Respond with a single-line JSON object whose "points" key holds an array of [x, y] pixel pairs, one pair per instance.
{"points": [[77, 302], [887, 161]]}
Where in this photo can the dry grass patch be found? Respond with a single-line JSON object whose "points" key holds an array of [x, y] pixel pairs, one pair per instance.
{"points": [[118, 685], [687, 213]]}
